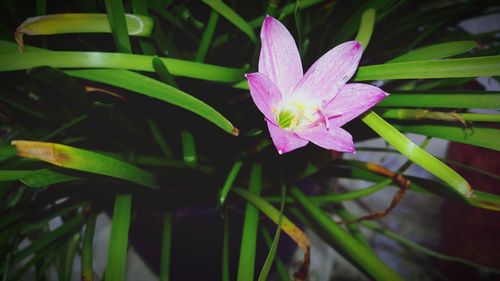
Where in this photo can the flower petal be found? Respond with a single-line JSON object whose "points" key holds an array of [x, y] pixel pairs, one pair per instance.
{"points": [[279, 57], [265, 94], [284, 141], [329, 73], [352, 100], [333, 138]]}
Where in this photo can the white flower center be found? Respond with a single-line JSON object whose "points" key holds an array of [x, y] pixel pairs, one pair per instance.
{"points": [[296, 114]]}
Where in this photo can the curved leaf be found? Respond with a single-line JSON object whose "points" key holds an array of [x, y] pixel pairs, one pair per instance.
{"points": [[155, 89]]}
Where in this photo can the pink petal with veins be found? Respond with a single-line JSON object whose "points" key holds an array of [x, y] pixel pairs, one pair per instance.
{"points": [[329, 73], [265, 94], [285, 141], [279, 57], [352, 100], [334, 138]]}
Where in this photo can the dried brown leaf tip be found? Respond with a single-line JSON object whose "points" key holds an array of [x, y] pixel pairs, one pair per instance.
{"points": [[45, 151]]}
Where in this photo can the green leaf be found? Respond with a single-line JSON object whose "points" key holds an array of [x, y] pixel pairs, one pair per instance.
{"points": [[250, 224], [424, 114], [226, 11], [118, 25], [165, 148], [20, 61], [118, 238], [80, 23], [87, 271], [417, 154], [49, 238], [419, 248], [35, 178], [233, 173], [206, 39], [437, 51], [366, 27], [348, 246], [67, 257], [274, 246], [155, 89], [483, 100], [479, 136], [83, 160], [447, 68]]}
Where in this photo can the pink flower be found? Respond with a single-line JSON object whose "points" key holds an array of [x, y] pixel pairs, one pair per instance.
{"points": [[301, 108]]}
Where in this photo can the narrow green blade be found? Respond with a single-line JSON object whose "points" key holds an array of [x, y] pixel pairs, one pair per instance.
{"points": [[64, 59], [416, 154], [155, 89], [118, 238], [437, 51], [226, 11], [250, 224], [84, 160]]}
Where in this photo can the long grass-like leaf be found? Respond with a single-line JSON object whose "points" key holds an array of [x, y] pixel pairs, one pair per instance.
{"points": [[246, 263], [437, 51], [417, 154], [83, 160], [415, 246], [348, 245], [233, 173], [483, 100], [479, 136], [118, 25], [49, 238], [274, 246], [294, 232], [87, 269], [147, 86], [226, 11], [446, 68], [424, 114], [206, 39], [366, 27], [118, 238], [80, 23], [35, 178], [20, 61]]}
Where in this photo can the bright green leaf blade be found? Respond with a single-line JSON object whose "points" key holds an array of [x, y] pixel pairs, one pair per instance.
{"points": [[479, 136], [437, 51], [82, 23], [366, 27], [483, 100], [348, 245], [281, 269], [226, 11], [87, 271], [274, 246], [424, 114], [447, 68], [118, 25], [118, 238], [21, 61], [206, 39], [250, 224], [84, 160], [35, 178], [417, 154], [155, 89], [233, 173]]}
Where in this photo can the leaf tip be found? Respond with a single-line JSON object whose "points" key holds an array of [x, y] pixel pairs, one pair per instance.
{"points": [[235, 131]]}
